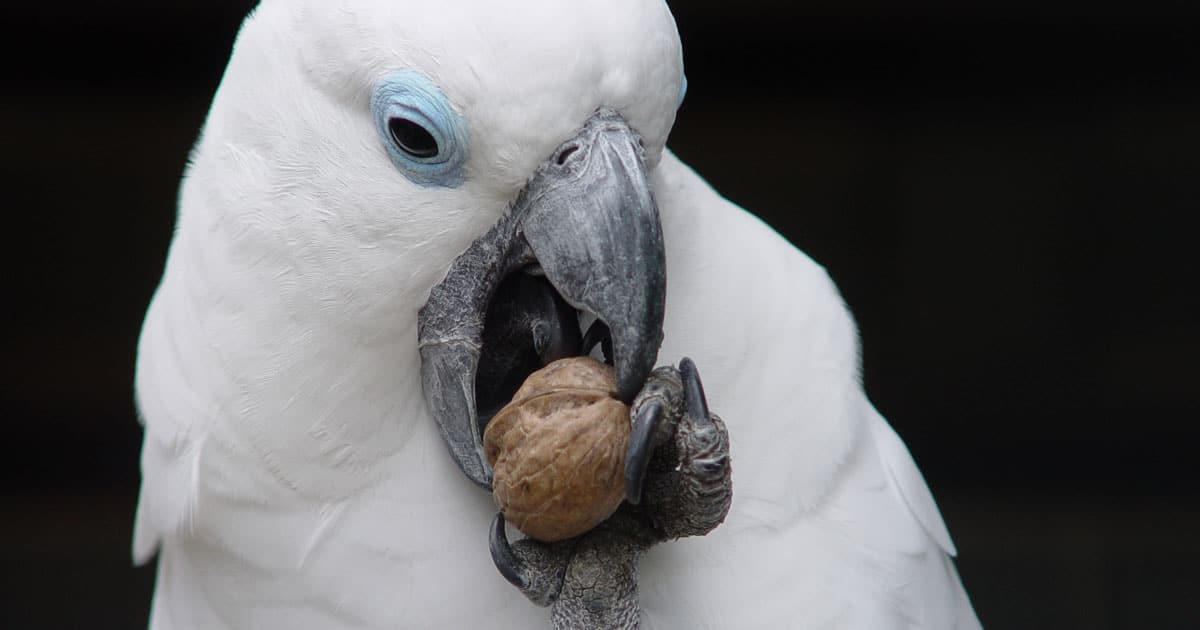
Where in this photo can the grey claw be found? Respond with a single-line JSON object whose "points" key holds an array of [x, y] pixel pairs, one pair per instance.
{"points": [[693, 392], [641, 447], [504, 557]]}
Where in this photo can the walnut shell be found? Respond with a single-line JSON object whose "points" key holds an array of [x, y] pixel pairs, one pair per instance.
{"points": [[557, 450]]}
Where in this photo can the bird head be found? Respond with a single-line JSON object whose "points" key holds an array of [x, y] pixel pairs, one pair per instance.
{"points": [[410, 156]]}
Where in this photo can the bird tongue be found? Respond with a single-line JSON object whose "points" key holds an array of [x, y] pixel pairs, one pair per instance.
{"points": [[528, 325]]}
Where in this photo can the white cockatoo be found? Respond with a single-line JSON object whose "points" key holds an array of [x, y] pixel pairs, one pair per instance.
{"points": [[311, 455]]}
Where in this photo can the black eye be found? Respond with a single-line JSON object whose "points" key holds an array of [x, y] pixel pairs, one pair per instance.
{"points": [[412, 138]]}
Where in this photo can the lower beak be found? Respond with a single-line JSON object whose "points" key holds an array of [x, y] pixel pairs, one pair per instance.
{"points": [[587, 219]]}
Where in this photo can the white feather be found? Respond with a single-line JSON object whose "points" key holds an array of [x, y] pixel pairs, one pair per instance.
{"points": [[293, 477]]}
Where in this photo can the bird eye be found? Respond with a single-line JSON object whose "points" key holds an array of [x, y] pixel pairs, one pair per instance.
{"points": [[412, 138], [424, 136]]}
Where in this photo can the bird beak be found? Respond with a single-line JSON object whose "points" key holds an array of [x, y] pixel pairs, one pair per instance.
{"points": [[587, 222]]}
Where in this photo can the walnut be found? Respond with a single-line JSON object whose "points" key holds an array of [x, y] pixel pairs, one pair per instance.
{"points": [[557, 450]]}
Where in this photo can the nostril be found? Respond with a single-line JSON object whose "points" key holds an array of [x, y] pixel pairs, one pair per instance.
{"points": [[566, 153]]}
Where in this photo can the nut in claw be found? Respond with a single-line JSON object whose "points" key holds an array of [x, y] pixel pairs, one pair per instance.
{"points": [[557, 450]]}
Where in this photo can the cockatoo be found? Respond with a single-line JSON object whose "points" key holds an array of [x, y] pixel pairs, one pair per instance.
{"points": [[311, 455]]}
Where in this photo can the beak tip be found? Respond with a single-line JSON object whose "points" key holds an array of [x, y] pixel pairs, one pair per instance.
{"points": [[627, 393], [633, 372]]}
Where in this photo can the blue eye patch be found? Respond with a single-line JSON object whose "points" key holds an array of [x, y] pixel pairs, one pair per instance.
{"points": [[424, 137]]}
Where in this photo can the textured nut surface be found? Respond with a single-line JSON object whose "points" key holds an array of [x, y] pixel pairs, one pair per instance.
{"points": [[557, 450]]}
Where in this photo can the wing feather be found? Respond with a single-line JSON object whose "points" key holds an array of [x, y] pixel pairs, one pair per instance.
{"points": [[903, 471]]}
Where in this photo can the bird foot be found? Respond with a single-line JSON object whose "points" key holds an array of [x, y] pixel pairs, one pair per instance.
{"points": [[589, 581], [677, 468], [678, 483]]}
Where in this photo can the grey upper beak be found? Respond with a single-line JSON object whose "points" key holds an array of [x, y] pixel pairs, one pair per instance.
{"points": [[594, 228], [588, 219]]}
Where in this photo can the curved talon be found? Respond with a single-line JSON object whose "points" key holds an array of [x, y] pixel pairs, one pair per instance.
{"points": [[641, 447], [598, 333], [504, 557], [693, 391]]}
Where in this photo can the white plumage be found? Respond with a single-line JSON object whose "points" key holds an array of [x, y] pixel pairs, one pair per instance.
{"points": [[293, 477]]}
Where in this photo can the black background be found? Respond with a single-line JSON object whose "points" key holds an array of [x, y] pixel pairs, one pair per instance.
{"points": [[1002, 191]]}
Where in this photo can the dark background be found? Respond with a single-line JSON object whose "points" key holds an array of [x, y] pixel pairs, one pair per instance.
{"points": [[1001, 192]]}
